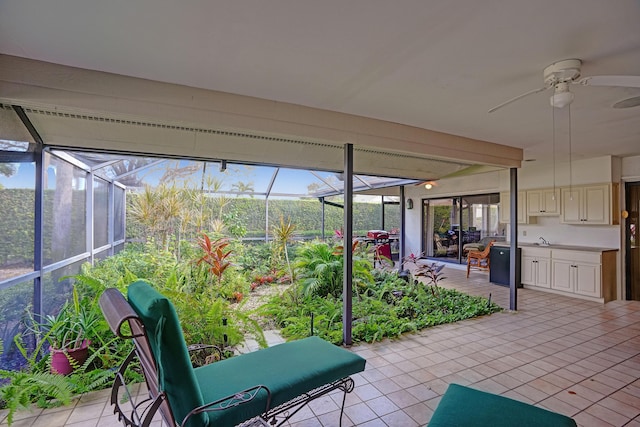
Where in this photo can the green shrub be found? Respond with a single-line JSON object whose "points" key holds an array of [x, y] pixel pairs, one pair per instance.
{"points": [[389, 307], [320, 266]]}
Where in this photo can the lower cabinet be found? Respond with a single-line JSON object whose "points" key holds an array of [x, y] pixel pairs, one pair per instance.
{"points": [[577, 277], [588, 280], [581, 273], [578, 272], [563, 277], [536, 267]]}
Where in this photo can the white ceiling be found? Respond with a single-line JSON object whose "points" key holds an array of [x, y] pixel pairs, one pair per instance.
{"points": [[437, 65]]}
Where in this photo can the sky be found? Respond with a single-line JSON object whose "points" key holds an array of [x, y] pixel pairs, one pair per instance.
{"points": [[288, 182]]}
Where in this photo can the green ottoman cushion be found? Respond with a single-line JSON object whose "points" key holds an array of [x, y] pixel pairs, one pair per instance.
{"points": [[464, 406]]}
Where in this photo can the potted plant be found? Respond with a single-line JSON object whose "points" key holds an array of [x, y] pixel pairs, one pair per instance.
{"points": [[67, 332]]}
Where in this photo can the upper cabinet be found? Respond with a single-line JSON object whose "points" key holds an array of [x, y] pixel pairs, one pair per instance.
{"points": [[544, 202], [578, 204], [505, 208], [589, 204]]}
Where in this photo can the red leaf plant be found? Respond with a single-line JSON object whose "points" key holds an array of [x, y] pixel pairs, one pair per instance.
{"points": [[214, 255]]}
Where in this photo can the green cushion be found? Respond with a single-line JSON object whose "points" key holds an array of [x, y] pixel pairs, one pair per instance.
{"points": [[288, 370], [464, 406], [169, 348]]}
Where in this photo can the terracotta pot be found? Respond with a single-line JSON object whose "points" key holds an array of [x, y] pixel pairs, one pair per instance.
{"points": [[60, 358]]}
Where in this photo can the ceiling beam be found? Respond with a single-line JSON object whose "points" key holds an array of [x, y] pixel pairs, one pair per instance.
{"points": [[34, 83]]}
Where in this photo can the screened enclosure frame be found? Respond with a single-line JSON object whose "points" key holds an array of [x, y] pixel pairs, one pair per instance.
{"points": [[101, 204], [91, 251]]}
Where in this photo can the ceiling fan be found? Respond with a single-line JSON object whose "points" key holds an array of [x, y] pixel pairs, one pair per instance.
{"points": [[560, 75]]}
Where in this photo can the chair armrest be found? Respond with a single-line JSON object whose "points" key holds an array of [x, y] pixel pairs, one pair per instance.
{"points": [[118, 313]]}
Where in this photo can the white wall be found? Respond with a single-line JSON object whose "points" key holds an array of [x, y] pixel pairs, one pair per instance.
{"points": [[601, 236], [541, 174], [631, 168]]}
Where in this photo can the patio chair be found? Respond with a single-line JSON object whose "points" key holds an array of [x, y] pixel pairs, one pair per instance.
{"points": [[477, 246], [479, 259], [265, 386], [440, 249]]}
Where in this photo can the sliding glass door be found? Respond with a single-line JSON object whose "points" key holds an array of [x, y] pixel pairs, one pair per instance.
{"points": [[453, 226]]}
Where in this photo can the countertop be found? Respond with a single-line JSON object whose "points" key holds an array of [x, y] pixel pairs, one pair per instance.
{"points": [[559, 246]]}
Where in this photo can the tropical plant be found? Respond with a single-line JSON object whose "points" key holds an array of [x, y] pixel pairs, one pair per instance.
{"points": [[158, 209], [433, 273], [390, 308], [24, 388], [321, 267], [211, 320], [38, 384], [215, 256], [284, 233], [243, 187], [68, 329]]}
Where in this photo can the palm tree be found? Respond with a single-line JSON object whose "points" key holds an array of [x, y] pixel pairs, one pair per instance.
{"points": [[243, 187]]}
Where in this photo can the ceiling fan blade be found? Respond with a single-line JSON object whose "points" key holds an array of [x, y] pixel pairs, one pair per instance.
{"points": [[623, 81], [531, 92]]}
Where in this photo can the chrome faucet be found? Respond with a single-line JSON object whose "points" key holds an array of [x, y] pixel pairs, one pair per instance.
{"points": [[544, 242]]}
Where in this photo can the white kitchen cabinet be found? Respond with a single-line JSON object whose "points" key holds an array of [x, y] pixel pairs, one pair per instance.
{"points": [[505, 208], [543, 202], [577, 272], [536, 267], [563, 277], [582, 273], [588, 280], [586, 204]]}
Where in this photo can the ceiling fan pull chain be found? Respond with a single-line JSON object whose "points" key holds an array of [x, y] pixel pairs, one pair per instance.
{"points": [[570, 160], [553, 137]]}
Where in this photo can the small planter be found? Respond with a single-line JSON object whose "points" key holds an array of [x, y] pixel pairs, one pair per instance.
{"points": [[60, 358]]}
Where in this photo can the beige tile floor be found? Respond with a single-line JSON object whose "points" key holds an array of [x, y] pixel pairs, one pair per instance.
{"points": [[571, 356]]}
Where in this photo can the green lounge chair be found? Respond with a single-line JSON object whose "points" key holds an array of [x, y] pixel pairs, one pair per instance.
{"points": [[266, 386]]}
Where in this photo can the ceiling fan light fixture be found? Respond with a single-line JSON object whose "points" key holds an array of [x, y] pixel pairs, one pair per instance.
{"points": [[561, 99], [428, 186]]}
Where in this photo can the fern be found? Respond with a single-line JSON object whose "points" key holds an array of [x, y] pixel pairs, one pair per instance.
{"points": [[85, 382], [24, 388]]}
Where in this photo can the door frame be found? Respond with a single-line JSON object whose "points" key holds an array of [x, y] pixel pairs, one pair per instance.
{"points": [[628, 260]]}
